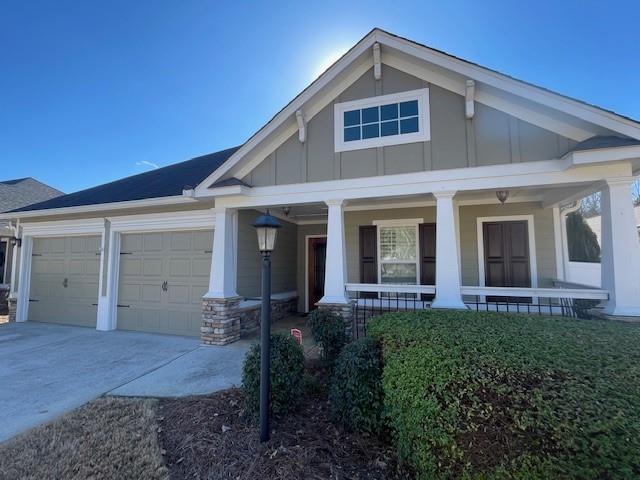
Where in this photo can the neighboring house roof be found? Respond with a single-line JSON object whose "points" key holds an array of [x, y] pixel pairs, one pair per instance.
{"points": [[162, 182], [605, 141], [24, 191]]}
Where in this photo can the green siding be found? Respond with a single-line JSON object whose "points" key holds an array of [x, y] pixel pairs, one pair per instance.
{"points": [[490, 138]]}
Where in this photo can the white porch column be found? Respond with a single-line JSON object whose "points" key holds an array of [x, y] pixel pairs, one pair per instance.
{"points": [[447, 259], [620, 252], [223, 276], [335, 275]]}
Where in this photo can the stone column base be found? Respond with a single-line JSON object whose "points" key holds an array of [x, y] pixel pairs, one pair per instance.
{"points": [[13, 307], [343, 309], [220, 321]]}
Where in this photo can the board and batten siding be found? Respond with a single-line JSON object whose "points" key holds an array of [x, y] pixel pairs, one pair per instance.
{"points": [[283, 259], [543, 235], [490, 138]]}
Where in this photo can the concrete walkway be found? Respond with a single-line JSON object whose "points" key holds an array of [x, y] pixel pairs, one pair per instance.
{"points": [[47, 370]]}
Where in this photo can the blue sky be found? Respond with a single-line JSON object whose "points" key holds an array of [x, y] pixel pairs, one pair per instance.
{"points": [[92, 91]]}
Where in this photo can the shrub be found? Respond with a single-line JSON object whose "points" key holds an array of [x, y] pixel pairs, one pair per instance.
{"points": [[490, 395], [355, 393], [328, 331], [287, 376]]}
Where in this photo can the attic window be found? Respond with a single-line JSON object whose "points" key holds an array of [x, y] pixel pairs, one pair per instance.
{"points": [[384, 120]]}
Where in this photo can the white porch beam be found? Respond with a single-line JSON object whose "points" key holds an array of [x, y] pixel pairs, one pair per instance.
{"points": [[335, 278], [620, 249], [546, 172], [447, 260], [223, 276]]}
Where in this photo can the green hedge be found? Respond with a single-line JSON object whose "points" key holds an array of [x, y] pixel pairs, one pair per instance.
{"points": [[287, 376], [481, 395], [355, 393], [328, 331]]}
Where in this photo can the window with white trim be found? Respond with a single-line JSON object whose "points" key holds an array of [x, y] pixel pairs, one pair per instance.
{"points": [[398, 258], [381, 121]]}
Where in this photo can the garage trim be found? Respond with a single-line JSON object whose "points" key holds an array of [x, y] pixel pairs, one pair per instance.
{"points": [[109, 228], [197, 220], [49, 229]]}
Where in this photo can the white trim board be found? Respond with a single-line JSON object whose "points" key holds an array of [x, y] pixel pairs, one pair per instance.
{"points": [[424, 125], [306, 268], [175, 221], [149, 202], [542, 173], [533, 265]]}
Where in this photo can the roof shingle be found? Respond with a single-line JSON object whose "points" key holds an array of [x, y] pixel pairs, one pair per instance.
{"points": [[162, 182]]}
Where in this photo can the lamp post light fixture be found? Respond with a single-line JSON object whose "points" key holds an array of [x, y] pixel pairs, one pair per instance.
{"points": [[267, 229]]}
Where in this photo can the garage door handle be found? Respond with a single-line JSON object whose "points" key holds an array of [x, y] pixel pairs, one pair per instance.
{"points": [[165, 286], [65, 283], [33, 300], [123, 306]]}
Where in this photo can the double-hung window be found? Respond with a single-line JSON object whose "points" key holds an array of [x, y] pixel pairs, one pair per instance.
{"points": [[381, 121], [398, 258]]}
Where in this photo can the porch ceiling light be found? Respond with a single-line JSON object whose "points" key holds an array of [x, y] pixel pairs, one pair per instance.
{"points": [[267, 229], [502, 195]]}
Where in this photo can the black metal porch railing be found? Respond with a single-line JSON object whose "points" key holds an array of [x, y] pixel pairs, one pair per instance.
{"points": [[552, 307], [370, 300], [366, 306]]}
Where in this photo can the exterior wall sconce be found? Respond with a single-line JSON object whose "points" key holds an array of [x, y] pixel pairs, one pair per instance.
{"points": [[16, 242], [502, 195]]}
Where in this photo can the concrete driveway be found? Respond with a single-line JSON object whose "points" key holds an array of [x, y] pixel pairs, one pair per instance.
{"points": [[47, 370]]}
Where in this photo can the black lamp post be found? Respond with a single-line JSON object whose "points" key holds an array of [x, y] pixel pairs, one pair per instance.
{"points": [[267, 230]]}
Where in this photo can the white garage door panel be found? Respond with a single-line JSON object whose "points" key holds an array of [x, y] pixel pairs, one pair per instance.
{"points": [[64, 280], [148, 260]]}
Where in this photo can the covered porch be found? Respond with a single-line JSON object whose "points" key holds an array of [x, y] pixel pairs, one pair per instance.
{"points": [[452, 249]]}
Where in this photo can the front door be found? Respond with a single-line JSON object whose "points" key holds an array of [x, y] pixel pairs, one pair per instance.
{"points": [[506, 256], [316, 261]]}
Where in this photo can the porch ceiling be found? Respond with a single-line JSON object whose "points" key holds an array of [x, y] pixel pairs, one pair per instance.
{"points": [[547, 196]]}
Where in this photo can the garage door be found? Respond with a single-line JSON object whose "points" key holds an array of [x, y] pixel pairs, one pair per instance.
{"points": [[163, 277], [64, 280]]}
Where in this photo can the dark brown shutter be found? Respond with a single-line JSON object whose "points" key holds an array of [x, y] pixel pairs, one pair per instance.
{"points": [[368, 257], [427, 239]]}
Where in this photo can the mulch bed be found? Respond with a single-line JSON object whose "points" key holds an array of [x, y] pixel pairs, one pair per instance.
{"points": [[211, 437]]}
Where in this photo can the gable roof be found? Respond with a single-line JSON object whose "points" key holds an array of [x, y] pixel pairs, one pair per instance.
{"points": [[580, 110], [21, 192], [162, 182]]}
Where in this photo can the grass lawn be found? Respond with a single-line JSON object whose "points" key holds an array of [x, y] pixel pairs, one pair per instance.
{"points": [[110, 438]]}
